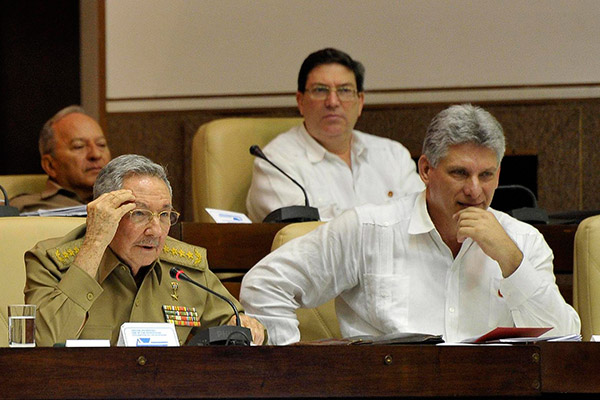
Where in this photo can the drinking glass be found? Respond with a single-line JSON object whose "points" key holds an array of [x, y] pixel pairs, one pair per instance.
{"points": [[21, 325]]}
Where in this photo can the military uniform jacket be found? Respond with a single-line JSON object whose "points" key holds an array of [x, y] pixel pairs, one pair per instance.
{"points": [[73, 305], [53, 196]]}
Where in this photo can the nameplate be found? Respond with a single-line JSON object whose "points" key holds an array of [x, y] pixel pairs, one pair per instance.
{"points": [[227, 217], [145, 334]]}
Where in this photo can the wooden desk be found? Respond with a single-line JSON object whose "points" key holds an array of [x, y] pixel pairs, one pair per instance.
{"points": [[267, 372], [232, 249], [237, 247], [549, 370], [570, 367]]}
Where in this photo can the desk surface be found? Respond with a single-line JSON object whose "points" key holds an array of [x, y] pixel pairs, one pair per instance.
{"points": [[301, 371]]}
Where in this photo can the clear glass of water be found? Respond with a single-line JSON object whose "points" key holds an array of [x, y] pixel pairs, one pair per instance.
{"points": [[21, 325]]}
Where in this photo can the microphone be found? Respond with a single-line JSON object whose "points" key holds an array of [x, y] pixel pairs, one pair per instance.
{"points": [[7, 210], [290, 213], [224, 335]]}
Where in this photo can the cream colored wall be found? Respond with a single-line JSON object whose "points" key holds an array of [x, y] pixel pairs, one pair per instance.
{"points": [[185, 54]]}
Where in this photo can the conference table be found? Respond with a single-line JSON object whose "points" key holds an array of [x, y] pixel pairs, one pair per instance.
{"points": [[547, 370], [306, 371]]}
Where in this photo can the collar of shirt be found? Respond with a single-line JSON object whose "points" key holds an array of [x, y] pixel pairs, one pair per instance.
{"points": [[420, 221], [316, 153], [110, 261], [52, 188]]}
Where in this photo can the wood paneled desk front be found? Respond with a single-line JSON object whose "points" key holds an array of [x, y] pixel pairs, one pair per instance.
{"points": [[525, 371]]}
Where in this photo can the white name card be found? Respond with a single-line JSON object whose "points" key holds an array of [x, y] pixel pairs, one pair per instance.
{"points": [[147, 334], [87, 343], [228, 217]]}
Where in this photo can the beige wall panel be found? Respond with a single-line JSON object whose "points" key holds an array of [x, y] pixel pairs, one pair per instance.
{"points": [[196, 52]]}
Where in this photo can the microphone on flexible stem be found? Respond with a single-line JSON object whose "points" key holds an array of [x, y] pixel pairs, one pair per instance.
{"points": [[289, 213], [226, 334], [7, 210]]}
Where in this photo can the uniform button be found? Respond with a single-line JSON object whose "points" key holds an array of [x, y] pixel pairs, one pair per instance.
{"points": [[90, 296], [137, 302], [123, 268], [451, 309], [390, 194]]}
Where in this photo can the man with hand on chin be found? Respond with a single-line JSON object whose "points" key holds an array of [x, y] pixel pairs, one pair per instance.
{"points": [[439, 262], [115, 268]]}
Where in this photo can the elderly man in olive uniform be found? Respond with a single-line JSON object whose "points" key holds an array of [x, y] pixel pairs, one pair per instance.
{"points": [[115, 269], [73, 150]]}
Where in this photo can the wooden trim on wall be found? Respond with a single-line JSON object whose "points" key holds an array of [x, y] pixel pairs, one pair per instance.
{"points": [[102, 64]]}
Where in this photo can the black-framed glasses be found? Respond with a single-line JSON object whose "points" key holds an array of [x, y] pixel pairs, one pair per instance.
{"points": [[142, 216], [321, 92]]}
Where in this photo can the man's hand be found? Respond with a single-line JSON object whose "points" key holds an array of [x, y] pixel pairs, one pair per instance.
{"points": [[105, 213], [483, 227], [256, 328], [103, 217]]}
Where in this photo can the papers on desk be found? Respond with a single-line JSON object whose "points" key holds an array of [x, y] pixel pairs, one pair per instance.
{"points": [[566, 338], [87, 343], [506, 333], [227, 217], [391, 338], [74, 211]]}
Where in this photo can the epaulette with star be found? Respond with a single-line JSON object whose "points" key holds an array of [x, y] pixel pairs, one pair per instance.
{"points": [[183, 254], [64, 254]]}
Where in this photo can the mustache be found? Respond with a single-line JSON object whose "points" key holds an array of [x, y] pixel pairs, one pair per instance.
{"points": [[148, 242]]}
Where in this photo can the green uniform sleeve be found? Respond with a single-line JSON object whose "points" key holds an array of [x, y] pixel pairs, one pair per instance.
{"points": [[63, 295]]}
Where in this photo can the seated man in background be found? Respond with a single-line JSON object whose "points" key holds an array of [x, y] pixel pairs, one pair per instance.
{"points": [[73, 149], [436, 262], [115, 269], [339, 167]]}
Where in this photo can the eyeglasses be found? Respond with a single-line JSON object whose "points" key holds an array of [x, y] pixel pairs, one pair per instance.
{"points": [[321, 92], [142, 216]]}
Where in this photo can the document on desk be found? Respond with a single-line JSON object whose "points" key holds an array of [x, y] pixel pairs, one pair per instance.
{"points": [[87, 343], [505, 333], [73, 211], [565, 338], [391, 338]]}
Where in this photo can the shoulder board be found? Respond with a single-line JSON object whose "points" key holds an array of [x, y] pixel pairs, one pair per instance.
{"points": [[64, 254], [183, 254]]}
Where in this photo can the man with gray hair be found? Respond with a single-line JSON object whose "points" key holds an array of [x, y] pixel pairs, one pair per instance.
{"points": [[438, 262], [73, 150], [115, 268]]}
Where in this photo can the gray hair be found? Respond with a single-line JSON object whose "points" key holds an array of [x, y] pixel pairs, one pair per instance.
{"points": [[47, 141], [113, 174], [462, 124]]}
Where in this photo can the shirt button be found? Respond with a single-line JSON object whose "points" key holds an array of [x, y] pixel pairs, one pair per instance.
{"points": [[451, 309], [390, 194], [90, 296]]}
